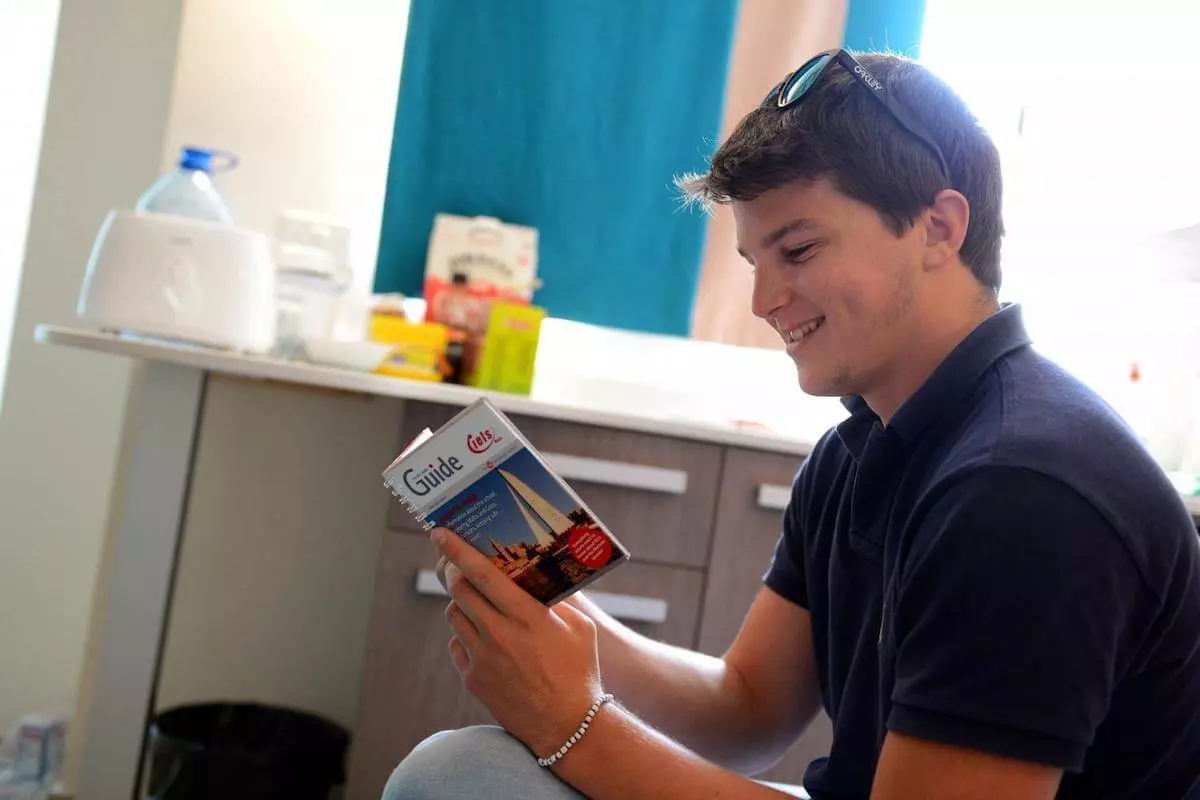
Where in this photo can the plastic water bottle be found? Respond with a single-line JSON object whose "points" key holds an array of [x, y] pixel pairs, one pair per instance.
{"points": [[190, 191]]}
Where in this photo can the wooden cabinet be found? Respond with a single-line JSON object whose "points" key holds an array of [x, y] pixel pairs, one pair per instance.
{"points": [[663, 497], [409, 686], [656, 494], [754, 493]]}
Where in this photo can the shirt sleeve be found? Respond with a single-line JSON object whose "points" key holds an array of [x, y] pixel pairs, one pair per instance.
{"points": [[1014, 613], [785, 576]]}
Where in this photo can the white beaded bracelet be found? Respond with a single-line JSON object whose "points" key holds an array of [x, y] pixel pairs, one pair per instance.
{"points": [[575, 737]]}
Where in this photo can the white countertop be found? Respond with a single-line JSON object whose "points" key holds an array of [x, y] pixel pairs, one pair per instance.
{"points": [[657, 421]]}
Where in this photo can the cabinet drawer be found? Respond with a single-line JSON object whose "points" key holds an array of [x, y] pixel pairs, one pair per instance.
{"points": [[656, 494], [409, 687], [754, 491]]}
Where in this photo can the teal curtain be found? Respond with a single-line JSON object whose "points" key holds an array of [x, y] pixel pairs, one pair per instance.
{"points": [[572, 116], [892, 25]]}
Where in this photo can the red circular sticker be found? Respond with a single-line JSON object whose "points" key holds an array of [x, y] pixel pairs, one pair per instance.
{"points": [[590, 547]]}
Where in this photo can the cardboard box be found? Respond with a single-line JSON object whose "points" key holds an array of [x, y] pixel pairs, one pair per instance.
{"points": [[509, 349]]}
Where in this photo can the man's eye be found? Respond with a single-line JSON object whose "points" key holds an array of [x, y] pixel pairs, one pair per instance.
{"points": [[797, 254]]}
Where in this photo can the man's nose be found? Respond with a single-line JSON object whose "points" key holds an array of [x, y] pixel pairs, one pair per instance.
{"points": [[769, 294]]}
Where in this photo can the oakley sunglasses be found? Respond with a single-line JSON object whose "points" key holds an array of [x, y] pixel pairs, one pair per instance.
{"points": [[795, 86]]}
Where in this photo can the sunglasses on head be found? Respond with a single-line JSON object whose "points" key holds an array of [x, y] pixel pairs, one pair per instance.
{"points": [[795, 86]]}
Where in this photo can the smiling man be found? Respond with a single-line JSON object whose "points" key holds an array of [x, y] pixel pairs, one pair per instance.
{"points": [[982, 577]]}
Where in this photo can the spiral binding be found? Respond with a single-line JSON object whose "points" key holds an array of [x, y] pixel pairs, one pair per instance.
{"points": [[412, 509]]}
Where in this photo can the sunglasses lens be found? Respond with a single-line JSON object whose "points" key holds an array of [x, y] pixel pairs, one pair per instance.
{"points": [[772, 95], [803, 80]]}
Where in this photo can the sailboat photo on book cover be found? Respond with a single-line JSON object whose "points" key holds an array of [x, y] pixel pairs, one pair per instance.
{"points": [[521, 517]]}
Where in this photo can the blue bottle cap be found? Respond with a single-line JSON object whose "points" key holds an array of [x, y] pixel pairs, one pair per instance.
{"points": [[196, 158]]}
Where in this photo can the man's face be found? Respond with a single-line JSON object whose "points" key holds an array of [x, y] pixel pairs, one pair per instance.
{"points": [[834, 281]]}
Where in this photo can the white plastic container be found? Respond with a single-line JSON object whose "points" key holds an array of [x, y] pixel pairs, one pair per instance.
{"points": [[312, 276]]}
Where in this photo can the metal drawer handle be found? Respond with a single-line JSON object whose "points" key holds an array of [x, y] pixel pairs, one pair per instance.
{"points": [[618, 473], [773, 497], [627, 607]]}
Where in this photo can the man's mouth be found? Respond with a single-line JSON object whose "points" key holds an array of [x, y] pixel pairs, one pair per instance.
{"points": [[802, 331]]}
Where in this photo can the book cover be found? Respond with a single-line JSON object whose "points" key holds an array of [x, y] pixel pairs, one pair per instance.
{"points": [[481, 478]]}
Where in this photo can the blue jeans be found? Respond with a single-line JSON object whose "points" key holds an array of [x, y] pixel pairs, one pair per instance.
{"points": [[481, 762]]}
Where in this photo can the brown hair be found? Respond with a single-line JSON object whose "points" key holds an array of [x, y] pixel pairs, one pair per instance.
{"points": [[837, 131]]}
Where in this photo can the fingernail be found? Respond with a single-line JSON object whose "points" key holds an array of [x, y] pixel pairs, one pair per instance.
{"points": [[438, 536]]}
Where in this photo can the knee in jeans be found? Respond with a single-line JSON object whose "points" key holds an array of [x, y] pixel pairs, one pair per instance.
{"points": [[451, 762]]}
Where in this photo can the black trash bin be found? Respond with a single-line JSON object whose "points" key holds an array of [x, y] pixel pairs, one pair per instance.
{"points": [[244, 751]]}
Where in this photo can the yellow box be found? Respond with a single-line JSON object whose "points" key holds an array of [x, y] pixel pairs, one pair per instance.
{"points": [[419, 347]]}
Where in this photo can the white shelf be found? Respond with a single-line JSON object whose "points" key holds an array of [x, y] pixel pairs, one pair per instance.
{"points": [[273, 369]]}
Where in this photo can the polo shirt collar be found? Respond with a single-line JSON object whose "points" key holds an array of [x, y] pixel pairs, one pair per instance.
{"points": [[856, 429], [992, 339]]}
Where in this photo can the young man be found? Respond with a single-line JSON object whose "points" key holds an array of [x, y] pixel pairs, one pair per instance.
{"points": [[982, 577]]}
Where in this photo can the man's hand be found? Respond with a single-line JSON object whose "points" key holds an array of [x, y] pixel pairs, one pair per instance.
{"points": [[535, 668]]}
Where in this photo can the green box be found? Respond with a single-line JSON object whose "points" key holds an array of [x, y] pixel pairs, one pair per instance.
{"points": [[509, 348]]}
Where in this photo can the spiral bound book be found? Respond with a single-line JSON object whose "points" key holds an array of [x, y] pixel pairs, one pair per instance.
{"points": [[481, 478]]}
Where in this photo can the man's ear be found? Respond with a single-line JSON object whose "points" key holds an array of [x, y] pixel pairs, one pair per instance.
{"points": [[945, 227]]}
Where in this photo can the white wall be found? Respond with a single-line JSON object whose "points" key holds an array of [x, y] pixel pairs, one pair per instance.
{"points": [[27, 30], [102, 143], [277, 569], [304, 93]]}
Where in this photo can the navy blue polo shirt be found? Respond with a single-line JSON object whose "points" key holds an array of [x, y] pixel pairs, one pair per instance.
{"points": [[1002, 567]]}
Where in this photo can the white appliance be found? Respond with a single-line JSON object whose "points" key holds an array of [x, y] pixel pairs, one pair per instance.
{"points": [[312, 273], [181, 278]]}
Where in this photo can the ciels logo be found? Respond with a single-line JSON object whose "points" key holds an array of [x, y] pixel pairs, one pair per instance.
{"points": [[479, 442], [432, 476], [869, 78]]}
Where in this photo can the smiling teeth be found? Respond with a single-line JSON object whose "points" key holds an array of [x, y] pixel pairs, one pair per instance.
{"points": [[796, 334]]}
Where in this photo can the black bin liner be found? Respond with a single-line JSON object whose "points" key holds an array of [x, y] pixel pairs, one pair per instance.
{"points": [[244, 751]]}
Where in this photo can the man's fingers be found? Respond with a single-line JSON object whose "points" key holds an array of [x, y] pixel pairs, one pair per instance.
{"points": [[574, 617], [440, 570], [464, 630], [510, 599], [458, 654], [470, 602]]}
